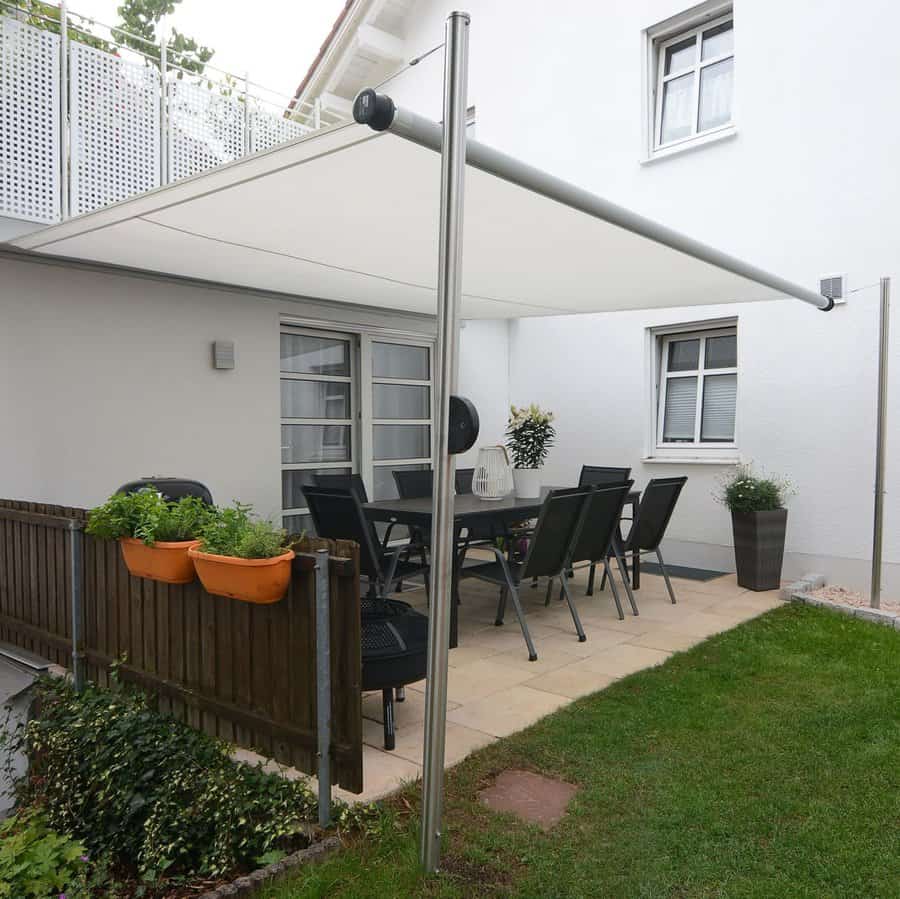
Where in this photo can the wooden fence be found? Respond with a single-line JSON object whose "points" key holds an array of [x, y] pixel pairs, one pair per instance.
{"points": [[242, 672]]}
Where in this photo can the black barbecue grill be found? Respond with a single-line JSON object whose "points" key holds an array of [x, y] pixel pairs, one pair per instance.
{"points": [[394, 644]]}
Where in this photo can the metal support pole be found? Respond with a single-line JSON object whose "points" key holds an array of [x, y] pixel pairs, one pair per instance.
{"points": [[247, 137], [453, 162], [64, 109], [163, 103], [884, 322], [76, 592], [323, 685]]}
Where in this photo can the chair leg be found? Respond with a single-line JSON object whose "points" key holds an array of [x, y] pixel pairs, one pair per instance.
{"points": [[662, 566], [578, 628], [603, 579], [387, 704], [623, 569], [615, 590], [520, 614], [549, 591], [501, 607], [400, 694], [591, 573]]}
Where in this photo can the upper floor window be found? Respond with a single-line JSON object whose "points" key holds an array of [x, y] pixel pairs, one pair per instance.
{"points": [[695, 77], [697, 389]]}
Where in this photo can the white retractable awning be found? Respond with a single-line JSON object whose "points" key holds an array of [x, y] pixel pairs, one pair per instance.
{"points": [[351, 215]]}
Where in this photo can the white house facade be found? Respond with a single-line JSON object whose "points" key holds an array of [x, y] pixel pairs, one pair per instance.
{"points": [[760, 128]]}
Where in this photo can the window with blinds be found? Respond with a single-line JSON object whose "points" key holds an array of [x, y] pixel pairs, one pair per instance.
{"points": [[698, 389]]}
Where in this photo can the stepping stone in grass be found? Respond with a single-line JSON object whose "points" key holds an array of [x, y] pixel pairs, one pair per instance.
{"points": [[532, 797]]}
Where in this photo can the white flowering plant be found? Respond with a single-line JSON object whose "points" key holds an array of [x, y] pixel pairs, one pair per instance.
{"points": [[744, 491], [529, 435]]}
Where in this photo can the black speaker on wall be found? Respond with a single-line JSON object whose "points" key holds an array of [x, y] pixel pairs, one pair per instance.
{"points": [[463, 425]]}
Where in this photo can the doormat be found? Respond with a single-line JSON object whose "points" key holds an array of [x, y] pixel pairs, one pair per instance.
{"points": [[532, 797], [682, 571]]}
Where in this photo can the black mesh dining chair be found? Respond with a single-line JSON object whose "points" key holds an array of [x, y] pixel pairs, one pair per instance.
{"points": [[464, 477], [653, 515], [414, 484], [352, 482], [602, 476], [548, 553], [338, 515], [597, 538]]}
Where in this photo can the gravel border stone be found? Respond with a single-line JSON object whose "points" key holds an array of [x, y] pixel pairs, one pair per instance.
{"points": [[877, 616], [250, 883]]}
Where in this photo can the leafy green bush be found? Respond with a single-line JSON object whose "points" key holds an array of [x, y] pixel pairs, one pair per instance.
{"points": [[35, 861], [151, 793], [146, 516], [234, 532], [529, 436], [746, 492]]}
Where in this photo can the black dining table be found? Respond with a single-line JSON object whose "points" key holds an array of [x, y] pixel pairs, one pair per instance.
{"points": [[469, 512]]}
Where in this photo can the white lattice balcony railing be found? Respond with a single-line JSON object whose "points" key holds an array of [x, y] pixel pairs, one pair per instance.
{"points": [[81, 128]]}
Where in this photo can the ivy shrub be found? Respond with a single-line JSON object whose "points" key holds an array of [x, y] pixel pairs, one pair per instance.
{"points": [[36, 861], [151, 793]]}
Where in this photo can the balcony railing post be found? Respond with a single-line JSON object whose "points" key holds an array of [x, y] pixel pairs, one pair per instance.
{"points": [[63, 110], [163, 103], [317, 113], [247, 124]]}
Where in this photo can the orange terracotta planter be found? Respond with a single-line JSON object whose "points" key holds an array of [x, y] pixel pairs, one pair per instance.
{"points": [[166, 562], [261, 581]]}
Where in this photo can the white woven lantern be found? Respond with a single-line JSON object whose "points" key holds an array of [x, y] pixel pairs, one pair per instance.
{"points": [[493, 477]]}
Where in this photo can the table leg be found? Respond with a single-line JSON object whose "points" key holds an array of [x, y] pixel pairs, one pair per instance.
{"points": [[454, 589]]}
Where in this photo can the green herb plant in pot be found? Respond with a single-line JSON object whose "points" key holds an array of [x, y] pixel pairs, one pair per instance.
{"points": [[759, 523], [154, 534], [243, 557]]}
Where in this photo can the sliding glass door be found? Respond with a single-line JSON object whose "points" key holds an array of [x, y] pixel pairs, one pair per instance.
{"points": [[359, 403]]}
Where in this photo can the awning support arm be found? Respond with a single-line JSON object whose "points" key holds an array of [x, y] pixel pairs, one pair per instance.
{"points": [[379, 112]]}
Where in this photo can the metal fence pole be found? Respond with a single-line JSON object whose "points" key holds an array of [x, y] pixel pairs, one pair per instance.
{"points": [[163, 103], [247, 124], [323, 685], [453, 164], [76, 589], [64, 109], [880, 438]]}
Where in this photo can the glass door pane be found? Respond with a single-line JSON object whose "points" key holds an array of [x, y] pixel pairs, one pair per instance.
{"points": [[317, 415]]}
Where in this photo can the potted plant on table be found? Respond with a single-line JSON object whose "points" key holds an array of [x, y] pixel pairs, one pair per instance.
{"points": [[529, 436], [759, 521], [242, 557], [154, 534]]}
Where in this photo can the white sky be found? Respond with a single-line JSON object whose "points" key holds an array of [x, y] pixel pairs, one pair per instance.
{"points": [[274, 40]]}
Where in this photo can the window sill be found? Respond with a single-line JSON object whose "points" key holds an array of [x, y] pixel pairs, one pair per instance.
{"points": [[689, 145], [691, 460]]}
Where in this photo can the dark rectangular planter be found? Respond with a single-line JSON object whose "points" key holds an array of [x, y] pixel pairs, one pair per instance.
{"points": [[759, 548]]}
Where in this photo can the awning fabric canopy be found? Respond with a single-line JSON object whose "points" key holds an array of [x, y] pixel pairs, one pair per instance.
{"points": [[351, 215]]}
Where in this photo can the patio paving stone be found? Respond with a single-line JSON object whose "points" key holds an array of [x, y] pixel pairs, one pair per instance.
{"points": [[573, 681], [521, 706]]}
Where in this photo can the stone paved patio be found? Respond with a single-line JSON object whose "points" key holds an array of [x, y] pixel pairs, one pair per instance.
{"points": [[494, 690]]}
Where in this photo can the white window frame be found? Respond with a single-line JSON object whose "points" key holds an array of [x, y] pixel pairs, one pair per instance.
{"points": [[362, 420], [657, 40], [369, 422], [714, 452], [353, 421]]}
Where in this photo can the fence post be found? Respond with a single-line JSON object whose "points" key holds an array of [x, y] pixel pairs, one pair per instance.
{"points": [[323, 685], [163, 103], [63, 110], [248, 138], [76, 575]]}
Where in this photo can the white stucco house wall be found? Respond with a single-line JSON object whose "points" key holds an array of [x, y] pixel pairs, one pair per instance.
{"points": [[792, 169]]}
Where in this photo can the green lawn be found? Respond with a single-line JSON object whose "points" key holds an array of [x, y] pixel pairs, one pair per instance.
{"points": [[763, 763]]}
